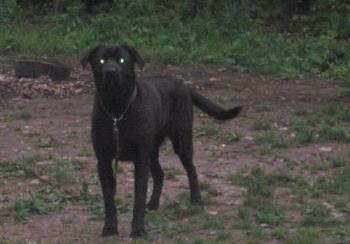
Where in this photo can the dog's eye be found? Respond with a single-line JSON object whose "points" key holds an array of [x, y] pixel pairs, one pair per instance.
{"points": [[121, 60], [102, 61]]}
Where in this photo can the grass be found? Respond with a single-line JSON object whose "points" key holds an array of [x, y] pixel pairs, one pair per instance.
{"points": [[25, 115], [262, 124], [324, 124], [315, 214], [305, 236], [232, 37], [40, 202], [207, 130], [171, 173], [212, 131], [269, 140]]}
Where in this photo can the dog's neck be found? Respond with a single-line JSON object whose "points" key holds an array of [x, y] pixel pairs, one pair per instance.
{"points": [[115, 103]]}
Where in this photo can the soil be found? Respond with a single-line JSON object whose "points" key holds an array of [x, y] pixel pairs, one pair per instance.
{"points": [[63, 113]]}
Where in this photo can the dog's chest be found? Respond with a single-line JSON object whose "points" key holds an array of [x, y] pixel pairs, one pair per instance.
{"points": [[126, 150]]}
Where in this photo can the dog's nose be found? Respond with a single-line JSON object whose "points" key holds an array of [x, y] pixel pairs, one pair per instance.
{"points": [[110, 71]]}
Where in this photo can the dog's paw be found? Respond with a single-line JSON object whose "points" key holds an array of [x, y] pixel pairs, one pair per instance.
{"points": [[138, 233], [109, 231]]}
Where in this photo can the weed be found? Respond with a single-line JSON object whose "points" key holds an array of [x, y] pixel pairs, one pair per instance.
{"points": [[268, 141], [245, 219], [224, 236], [231, 137], [270, 213], [211, 222], [24, 163], [335, 133], [25, 115], [171, 173], [207, 130], [263, 108], [289, 163], [45, 141], [262, 125], [303, 133], [280, 233], [315, 214], [337, 162], [40, 202], [305, 236]]}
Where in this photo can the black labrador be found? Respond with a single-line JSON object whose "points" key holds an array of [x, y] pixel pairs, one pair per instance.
{"points": [[130, 120]]}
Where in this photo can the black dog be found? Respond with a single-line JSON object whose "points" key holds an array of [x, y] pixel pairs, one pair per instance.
{"points": [[131, 119]]}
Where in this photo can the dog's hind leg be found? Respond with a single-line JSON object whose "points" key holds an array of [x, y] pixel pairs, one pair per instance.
{"points": [[158, 178], [184, 149]]}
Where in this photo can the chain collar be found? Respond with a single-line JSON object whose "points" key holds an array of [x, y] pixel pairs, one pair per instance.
{"points": [[115, 119]]}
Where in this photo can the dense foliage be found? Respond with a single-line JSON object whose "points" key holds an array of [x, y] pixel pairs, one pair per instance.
{"points": [[257, 35]]}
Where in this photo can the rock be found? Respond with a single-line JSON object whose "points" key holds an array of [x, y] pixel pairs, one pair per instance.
{"points": [[34, 182], [34, 68], [325, 149]]}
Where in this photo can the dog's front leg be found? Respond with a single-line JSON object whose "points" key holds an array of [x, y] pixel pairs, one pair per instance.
{"points": [[108, 184], [141, 184]]}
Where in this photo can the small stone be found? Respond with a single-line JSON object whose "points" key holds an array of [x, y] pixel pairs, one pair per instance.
{"points": [[248, 138], [213, 212], [325, 149], [34, 182]]}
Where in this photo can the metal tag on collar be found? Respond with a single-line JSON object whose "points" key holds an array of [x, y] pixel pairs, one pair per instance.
{"points": [[115, 124]]}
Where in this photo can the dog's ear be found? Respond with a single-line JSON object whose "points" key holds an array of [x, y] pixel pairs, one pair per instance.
{"points": [[88, 56], [136, 56]]}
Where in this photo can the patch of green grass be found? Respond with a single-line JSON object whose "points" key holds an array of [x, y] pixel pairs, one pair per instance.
{"points": [[213, 222], [305, 236], [300, 112], [182, 207], [159, 223], [270, 213], [263, 108], [324, 124], [280, 233], [224, 235], [208, 187], [171, 173], [40, 202], [62, 171], [231, 137], [207, 130], [95, 205], [269, 141], [46, 141], [303, 132], [337, 162], [289, 163], [262, 124], [245, 219], [260, 184], [315, 214], [26, 164], [25, 115], [337, 133]]}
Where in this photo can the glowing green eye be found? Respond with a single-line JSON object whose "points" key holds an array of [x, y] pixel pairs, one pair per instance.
{"points": [[102, 61], [121, 60]]}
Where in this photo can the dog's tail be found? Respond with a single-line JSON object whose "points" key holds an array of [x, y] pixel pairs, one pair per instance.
{"points": [[212, 109]]}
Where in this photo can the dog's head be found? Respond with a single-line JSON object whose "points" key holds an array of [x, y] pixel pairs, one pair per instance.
{"points": [[113, 66]]}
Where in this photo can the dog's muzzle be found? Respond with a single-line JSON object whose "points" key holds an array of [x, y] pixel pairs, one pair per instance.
{"points": [[111, 74]]}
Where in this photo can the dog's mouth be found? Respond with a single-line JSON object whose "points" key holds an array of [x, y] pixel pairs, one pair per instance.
{"points": [[111, 81]]}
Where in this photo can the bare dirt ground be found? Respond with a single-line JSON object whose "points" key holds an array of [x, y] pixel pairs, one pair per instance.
{"points": [[53, 121]]}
